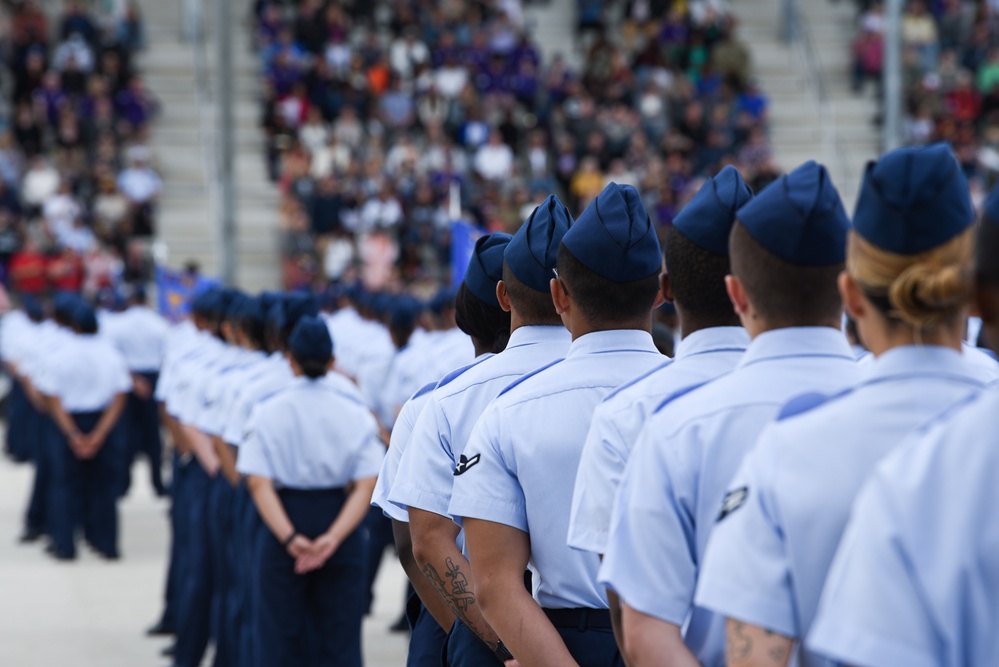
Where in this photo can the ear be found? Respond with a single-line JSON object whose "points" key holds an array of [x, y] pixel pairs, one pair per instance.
{"points": [[737, 295], [854, 303], [559, 297], [331, 365], [502, 297], [666, 288]]}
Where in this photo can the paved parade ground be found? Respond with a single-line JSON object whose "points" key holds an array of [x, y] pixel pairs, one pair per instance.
{"points": [[91, 613]]}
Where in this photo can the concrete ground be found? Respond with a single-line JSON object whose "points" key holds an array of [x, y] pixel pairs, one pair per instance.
{"points": [[91, 613]]}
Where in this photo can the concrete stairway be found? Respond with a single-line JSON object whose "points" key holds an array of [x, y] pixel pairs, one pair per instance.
{"points": [[813, 112], [184, 143]]}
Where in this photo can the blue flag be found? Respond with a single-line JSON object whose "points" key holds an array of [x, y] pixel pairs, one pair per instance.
{"points": [[175, 290], [463, 238]]}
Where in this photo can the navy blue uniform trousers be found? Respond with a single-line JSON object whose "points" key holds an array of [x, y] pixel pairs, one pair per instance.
{"points": [[332, 597], [39, 426], [426, 643], [142, 418], [195, 590], [20, 440], [83, 491]]}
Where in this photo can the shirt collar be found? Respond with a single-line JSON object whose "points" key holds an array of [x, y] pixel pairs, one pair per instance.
{"points": [[713, 339], [922, 360], [797, 342], [615, 340], [531, 335]]}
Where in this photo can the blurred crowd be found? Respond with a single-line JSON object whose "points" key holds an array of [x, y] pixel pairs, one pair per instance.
{"points": [[385, 121], [950, 77], [77, 190]]}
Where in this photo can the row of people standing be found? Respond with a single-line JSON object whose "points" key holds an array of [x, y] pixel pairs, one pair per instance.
{"points": [[686, 511], [278, 443], [80, 411]]}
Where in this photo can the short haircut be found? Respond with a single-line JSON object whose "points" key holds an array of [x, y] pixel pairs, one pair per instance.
{"points": [[254, 329], [987, 254], [312, 368], [487, 324], [697, 277], [784, 294], [532, 306], [605, 301]]}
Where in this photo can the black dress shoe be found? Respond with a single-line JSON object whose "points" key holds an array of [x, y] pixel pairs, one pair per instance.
{"points": [[63, 556], [169, 650], [161, 629], [108, 555], [401, 625], [31, 535]]}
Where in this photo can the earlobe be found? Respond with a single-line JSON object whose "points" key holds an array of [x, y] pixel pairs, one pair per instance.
{"points": [[558, 296], [665, 288], [736, 294], [853, 300], [502, 297]]}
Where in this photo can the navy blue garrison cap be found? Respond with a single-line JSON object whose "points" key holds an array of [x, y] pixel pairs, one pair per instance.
{"points": [[84, 316], [310, 340], [63, 305], [275, 313], [533, 249], [404, 312], [254, 311], [913, 200], [707, 219], [485, 268], [443, 300], [799, 218], [32, 308], [298, 305], [614, 236]]}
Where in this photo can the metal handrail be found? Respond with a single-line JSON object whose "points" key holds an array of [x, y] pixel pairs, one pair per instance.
{"points": [[799, 34]]}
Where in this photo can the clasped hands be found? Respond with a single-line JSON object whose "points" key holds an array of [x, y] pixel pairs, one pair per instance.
{"points": [[309, 554], [86, 445]]}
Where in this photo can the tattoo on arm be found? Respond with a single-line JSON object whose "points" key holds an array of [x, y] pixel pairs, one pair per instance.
{"points": [[457, 595], [740, 645], [751, 646]]}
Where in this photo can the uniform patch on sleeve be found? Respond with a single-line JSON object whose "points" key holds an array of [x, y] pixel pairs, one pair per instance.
{"points": [[733, 500], [464, 463]]}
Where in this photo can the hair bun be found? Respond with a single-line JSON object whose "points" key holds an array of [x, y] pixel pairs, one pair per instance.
{"points": [[927, 295]]}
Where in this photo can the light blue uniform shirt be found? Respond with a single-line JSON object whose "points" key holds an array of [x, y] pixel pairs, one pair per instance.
{"points": [[140, 334], [398, 442], [311, 435], [203, 353], [180, 342], [617, 422], [427, 470], [85, 372], [528, 443], [689, 450], [271, 377], [222, 388], [16, 331], [915, 581], [767, 559]]}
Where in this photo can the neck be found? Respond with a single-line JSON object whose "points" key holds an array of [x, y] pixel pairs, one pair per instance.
{"points": [[580, 326], [757, 325], [691, 323], [889, 337]]}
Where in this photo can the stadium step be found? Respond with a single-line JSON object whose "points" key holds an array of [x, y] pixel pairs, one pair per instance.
{"points": [[836, 129], [183, 140]]}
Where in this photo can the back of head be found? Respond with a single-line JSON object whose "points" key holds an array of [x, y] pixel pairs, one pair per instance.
{"points": [[529, 259], [911, 248], [63, 307], [477, 310], [788, 246], [311, 346], [84, 318], [609, 260], [296, 305], [696, 249]]}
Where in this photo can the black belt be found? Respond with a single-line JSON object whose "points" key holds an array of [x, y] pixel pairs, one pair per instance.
{"points": [[580, 618]]}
